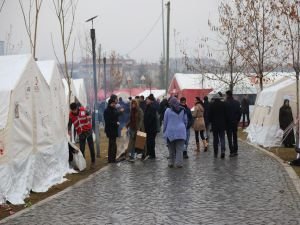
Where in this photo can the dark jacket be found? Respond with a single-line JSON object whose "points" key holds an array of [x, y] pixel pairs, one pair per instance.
{"points": [[111, 121], [245, 105], [206, 112], [233, 110], [150, 119], [285, 117], [190, 118], [217, 115]]}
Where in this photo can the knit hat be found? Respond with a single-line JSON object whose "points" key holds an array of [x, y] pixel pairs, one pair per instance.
{"points": [[151, 97]]}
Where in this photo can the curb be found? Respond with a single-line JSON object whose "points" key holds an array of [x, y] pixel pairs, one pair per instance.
{"points": [[79, 183], [290, 171]]}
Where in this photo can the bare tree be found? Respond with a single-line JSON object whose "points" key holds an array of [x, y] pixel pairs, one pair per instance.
{"points": [[11, 48], [33, 10], [258, 42], [116, 76], [65, 11], [228, 70], [1, 4], [288, 11]]}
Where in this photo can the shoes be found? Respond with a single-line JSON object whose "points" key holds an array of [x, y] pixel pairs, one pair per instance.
{"points": [[179, 166], [92, 167], [131, 160], [145, 158], [113, 161], [234, 154], [222, 155], [170, 166], [185, 155]]}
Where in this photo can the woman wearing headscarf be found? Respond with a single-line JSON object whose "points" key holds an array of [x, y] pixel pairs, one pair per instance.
{"points": [[175, 122], [285, 120], [135, 123], [199, 124]]}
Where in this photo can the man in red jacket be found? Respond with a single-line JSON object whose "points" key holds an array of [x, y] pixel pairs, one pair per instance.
{"points": [[81, 120]]}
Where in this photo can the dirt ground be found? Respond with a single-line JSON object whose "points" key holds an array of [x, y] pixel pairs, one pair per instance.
{"points": [[9, 209]]}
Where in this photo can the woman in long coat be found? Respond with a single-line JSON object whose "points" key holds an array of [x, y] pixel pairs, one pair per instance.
{"points": [[285, 120], [136, 123], [199, 124]]}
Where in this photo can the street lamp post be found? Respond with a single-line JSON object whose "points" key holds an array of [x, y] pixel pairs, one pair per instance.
{"points": [[96, 117]]}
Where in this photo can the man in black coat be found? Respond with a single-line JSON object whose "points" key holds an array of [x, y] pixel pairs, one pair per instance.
{"points": [[111, 118], [150, 123], [217, 118], [233, 109]]}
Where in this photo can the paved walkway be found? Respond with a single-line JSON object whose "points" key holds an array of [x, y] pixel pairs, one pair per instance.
{"points": [[250, 189]]}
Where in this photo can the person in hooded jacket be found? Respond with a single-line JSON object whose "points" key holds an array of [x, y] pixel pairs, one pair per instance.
{"points": [[285, 120], [175, 123]]}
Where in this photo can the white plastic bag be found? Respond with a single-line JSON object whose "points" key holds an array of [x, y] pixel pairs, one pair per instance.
{"points": [[79, 161]]}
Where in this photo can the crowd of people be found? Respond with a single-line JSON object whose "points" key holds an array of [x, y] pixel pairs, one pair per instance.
{"points": [[219, 116]]}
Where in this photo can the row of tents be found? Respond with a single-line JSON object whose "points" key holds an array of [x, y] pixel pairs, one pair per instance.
{"points": [[33, 127]]}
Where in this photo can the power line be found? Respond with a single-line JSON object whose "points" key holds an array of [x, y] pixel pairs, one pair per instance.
{"points": [[146, 36]]}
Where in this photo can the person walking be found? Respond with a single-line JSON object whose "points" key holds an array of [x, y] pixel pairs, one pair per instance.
{"points": [[245, 111], [233, 110], [199, 124], [81, 120], [150, 124], [174, 130], [285, 120], [190, 121], [135, 123], [206, 117], [217, 119], [111, 129]]}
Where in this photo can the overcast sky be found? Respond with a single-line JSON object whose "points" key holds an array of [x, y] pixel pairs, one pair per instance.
{"points": [[121, 26]]}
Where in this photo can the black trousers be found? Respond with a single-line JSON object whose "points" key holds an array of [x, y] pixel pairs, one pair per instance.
{"points": [[87, 136], [201, 135], [248, 118], [112, 149], [232, 139], [150, 141]]}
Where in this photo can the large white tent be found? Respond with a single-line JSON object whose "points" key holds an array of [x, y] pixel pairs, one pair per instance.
{"points": [[26, 132], [264, 125], [55, 160], [80, 91]]}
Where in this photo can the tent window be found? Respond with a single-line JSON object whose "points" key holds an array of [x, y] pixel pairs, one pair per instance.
{"points": [[17, 115]]}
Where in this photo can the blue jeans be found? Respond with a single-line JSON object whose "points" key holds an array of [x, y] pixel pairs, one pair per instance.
{"points": [[186, 143], [219, 136]]}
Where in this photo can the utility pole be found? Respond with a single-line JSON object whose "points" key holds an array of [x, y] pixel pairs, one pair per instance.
{"points": [[168, 46], [164, 47], [104, 72], [96, 108], [99, 66]]}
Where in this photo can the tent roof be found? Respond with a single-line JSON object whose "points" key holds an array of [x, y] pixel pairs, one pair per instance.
{"points": [[157, 93], [48, 69], [268, 95], [12, 68]]}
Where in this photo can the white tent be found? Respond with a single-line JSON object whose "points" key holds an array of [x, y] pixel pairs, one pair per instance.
{"points": [[73, 92], [264, 125], [25, 128], [57, 159], [156, 93], [80, 91]]}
